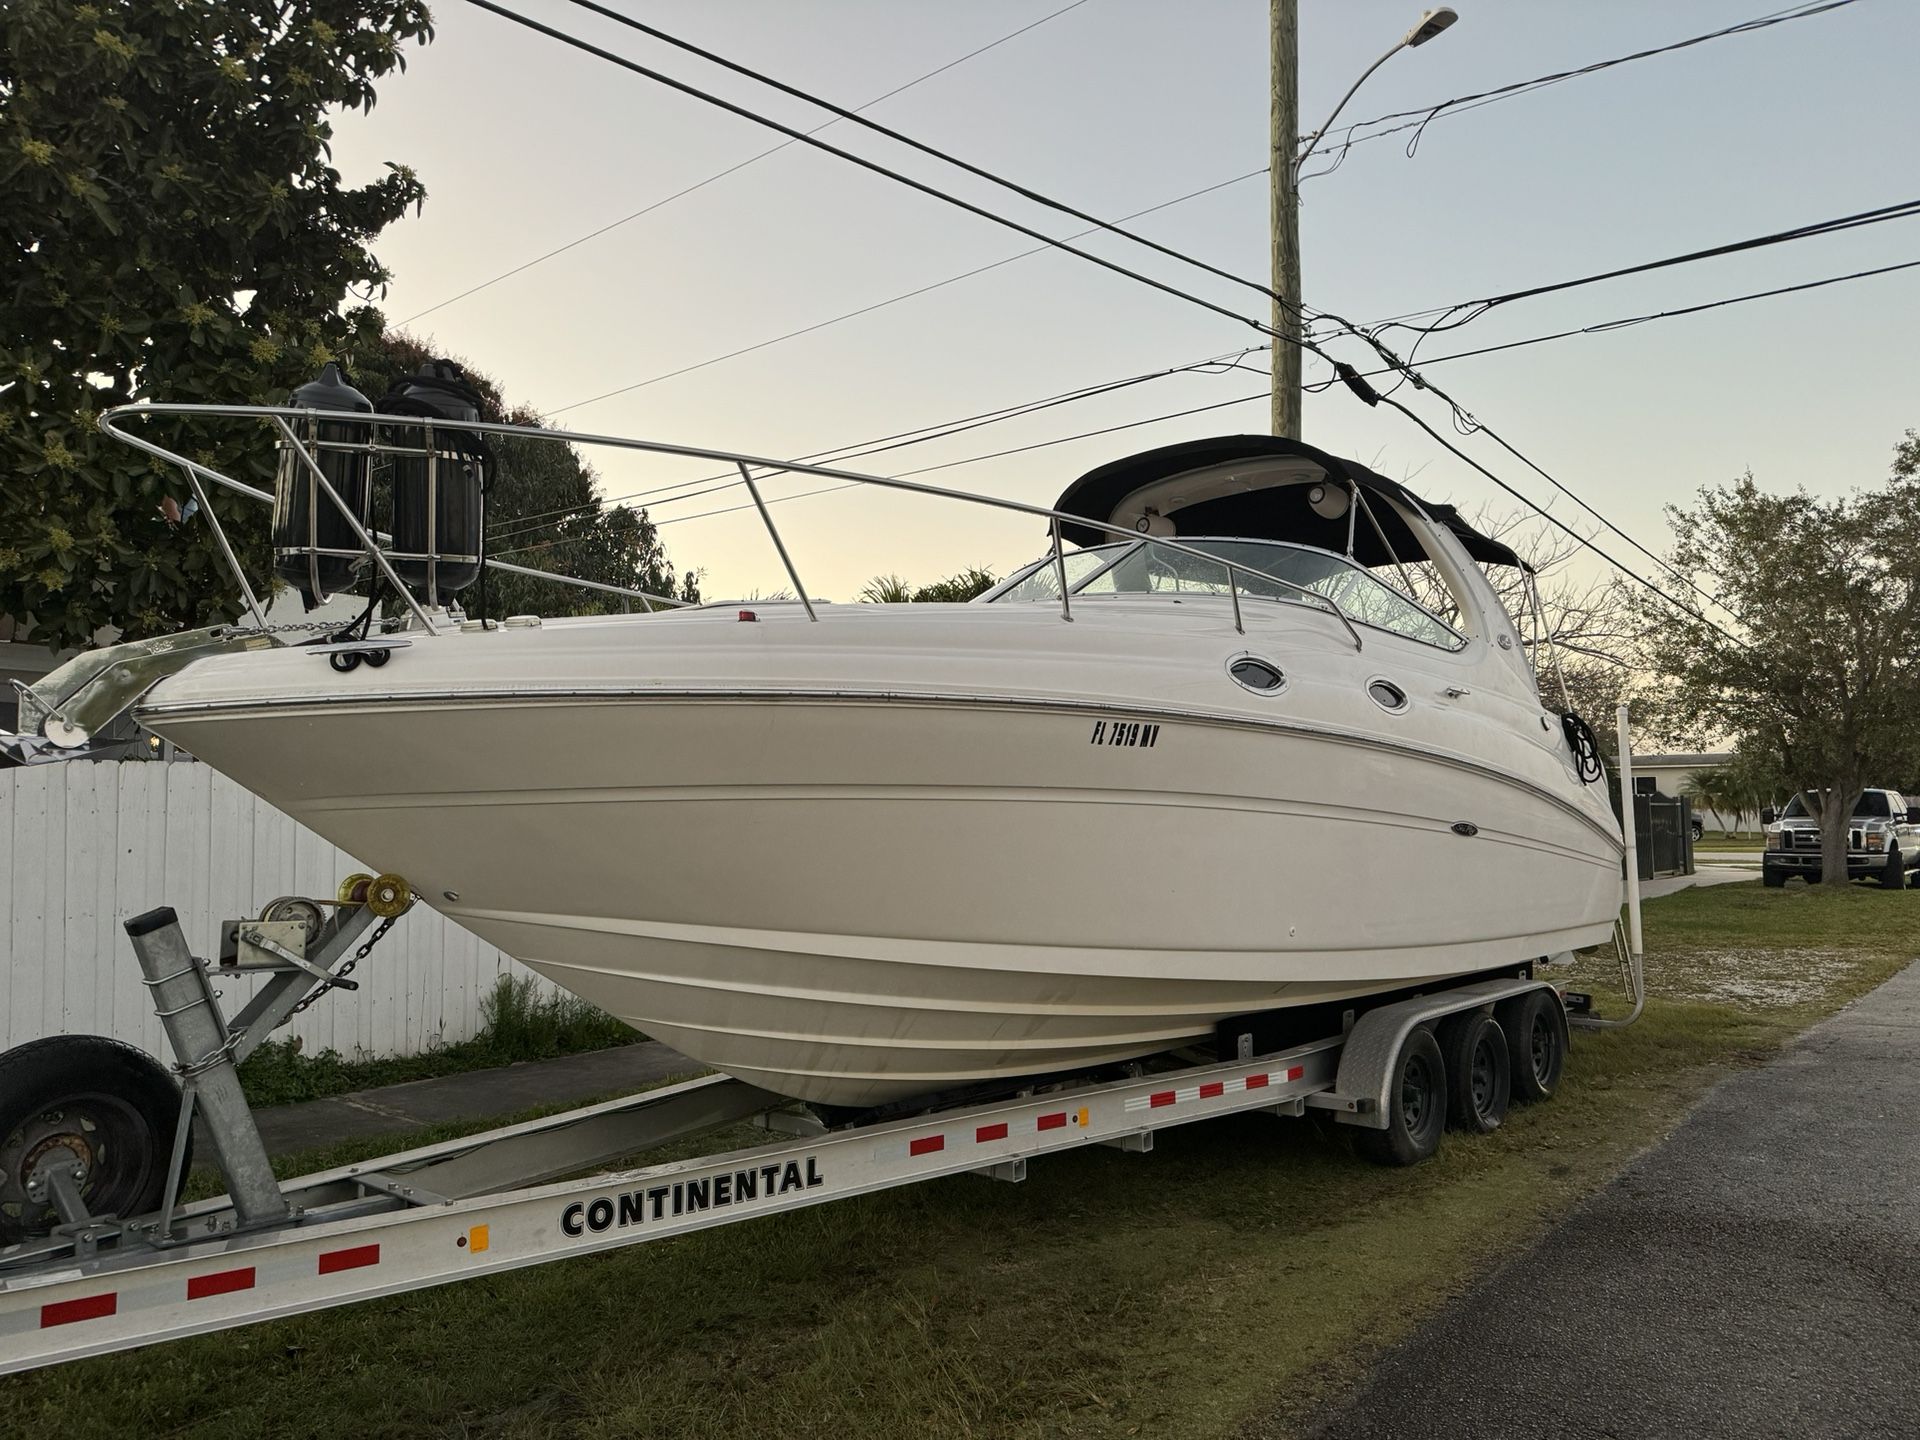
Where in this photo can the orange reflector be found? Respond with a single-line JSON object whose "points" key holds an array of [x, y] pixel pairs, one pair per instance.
{"points": [[476, 1239]]}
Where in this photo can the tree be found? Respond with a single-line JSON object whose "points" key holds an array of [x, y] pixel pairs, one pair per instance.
{"points": [[954, 590], [1585, 638], [173, 232], [1821, 672], [1711, 789], [544, 511]]}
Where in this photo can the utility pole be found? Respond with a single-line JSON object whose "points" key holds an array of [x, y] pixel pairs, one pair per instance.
{"points": [[1285, 216]]}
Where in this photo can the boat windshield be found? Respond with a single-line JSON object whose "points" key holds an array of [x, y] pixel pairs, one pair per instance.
{"points": [[1139, 568]]}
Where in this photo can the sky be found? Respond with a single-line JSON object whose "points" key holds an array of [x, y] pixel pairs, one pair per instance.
{"points": [[1114, 106]]}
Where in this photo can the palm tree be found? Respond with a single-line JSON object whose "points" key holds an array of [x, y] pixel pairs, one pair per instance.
{"points": [[1709, 789]]}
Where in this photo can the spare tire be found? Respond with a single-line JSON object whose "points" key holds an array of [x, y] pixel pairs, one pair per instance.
{"points": [[114, 1108]]}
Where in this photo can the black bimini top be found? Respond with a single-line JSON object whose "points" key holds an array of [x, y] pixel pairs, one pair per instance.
{"points": [[1258, 487]]}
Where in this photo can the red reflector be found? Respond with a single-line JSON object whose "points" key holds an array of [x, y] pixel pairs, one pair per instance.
{"points": [[87, 1307], [1163, 1097], [1212, 1088], [990, 1132], [353, 1259], [748, 615], [225, 1282], [1296, 1072], [1054, 1122], [927, 1144], [1256, 1082]]}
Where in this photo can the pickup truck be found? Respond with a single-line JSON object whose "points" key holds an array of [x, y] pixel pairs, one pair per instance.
{"points": [[1883, 840]]}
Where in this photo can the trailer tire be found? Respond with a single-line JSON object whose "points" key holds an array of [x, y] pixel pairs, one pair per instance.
{"points": [[1479, 1072], [1537, 1043], [1416, 1106], [112, 1105]]}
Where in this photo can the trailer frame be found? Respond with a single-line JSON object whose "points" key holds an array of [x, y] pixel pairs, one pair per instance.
{"points": [[498, 1201]]}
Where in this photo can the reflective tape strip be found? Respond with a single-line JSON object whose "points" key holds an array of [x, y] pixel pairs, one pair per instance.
{"points": [[87, 1307], [990, 1132], [927, 1145], [221, 1282], [1215, 1089], [332, 1261], [1055, 1121]]}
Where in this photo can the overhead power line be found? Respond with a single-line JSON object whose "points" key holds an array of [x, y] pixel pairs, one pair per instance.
{"points": [[891, 300], [660, 77], [1417, 120], [945, 157], [733, 169], [918, 435], [1604, 326], [1905, 210], [1461, 416]]}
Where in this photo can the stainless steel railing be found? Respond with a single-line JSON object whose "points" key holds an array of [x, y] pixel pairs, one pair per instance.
{"points": [[279, 416]]}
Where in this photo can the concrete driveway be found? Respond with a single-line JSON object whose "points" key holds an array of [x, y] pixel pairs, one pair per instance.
{"points": [[1756, 1274]]}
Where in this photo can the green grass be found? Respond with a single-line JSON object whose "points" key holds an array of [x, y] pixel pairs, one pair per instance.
{"points": [[1222, 1286], [1723, 840], [518, 1023]]}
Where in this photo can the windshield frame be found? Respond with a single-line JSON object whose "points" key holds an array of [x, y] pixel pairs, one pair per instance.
{"points": [[1125, 550]]}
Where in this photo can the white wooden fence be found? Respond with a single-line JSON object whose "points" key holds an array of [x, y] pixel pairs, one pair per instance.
{"points": [[85, 845]]}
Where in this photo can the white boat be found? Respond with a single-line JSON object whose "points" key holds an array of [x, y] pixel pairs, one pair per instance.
{"points": [[860, 853]]}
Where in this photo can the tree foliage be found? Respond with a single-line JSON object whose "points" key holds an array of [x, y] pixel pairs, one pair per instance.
{"points": [[175, 232], [956, 589], [1824, 682], [544, 511]]}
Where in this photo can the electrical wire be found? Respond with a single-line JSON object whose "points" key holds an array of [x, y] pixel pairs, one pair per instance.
{"points": [[1417, 120], [1112, 227], [1604, 326], [1905, 210], [893, 300], [733, 169], [918, 435], [660, 77], [1462, 419]]}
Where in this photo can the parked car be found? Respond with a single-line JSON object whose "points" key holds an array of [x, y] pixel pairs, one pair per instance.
{"points": [[1699, 828], [1883, 840]]}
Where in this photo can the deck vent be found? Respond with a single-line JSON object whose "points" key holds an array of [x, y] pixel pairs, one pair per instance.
{"points": [[1257, 675], [1387, 695]]}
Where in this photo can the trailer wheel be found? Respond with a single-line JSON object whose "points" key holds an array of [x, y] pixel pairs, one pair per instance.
{"points": [[1536, 1043], [1416, 1106], [1479, 1072], [114, 1108]]}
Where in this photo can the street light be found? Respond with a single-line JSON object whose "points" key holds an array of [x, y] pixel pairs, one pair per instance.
{"points": [[1432, 23]]}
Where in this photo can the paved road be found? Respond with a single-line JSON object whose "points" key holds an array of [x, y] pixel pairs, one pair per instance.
{"points": [[476, 1095], [1757, 1274]]}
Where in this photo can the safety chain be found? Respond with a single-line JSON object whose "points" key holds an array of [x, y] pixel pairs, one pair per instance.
{"points": [[297, 627], [379, 932]]}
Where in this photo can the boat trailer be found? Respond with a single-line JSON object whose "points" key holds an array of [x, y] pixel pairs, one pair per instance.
{"points": [[93, 1283]]}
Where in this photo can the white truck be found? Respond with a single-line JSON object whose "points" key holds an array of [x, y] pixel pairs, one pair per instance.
{"points": [[1883, 841]]}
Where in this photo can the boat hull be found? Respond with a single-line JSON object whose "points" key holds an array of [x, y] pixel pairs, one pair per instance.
{"points": [[855, 897]]}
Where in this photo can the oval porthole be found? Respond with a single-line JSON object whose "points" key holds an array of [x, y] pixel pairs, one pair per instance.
{"points": [[1257, 675], [1387, 695]]}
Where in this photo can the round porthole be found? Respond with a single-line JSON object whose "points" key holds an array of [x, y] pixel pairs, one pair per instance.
{"points": [[1257, 675], [1387, 695]]}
